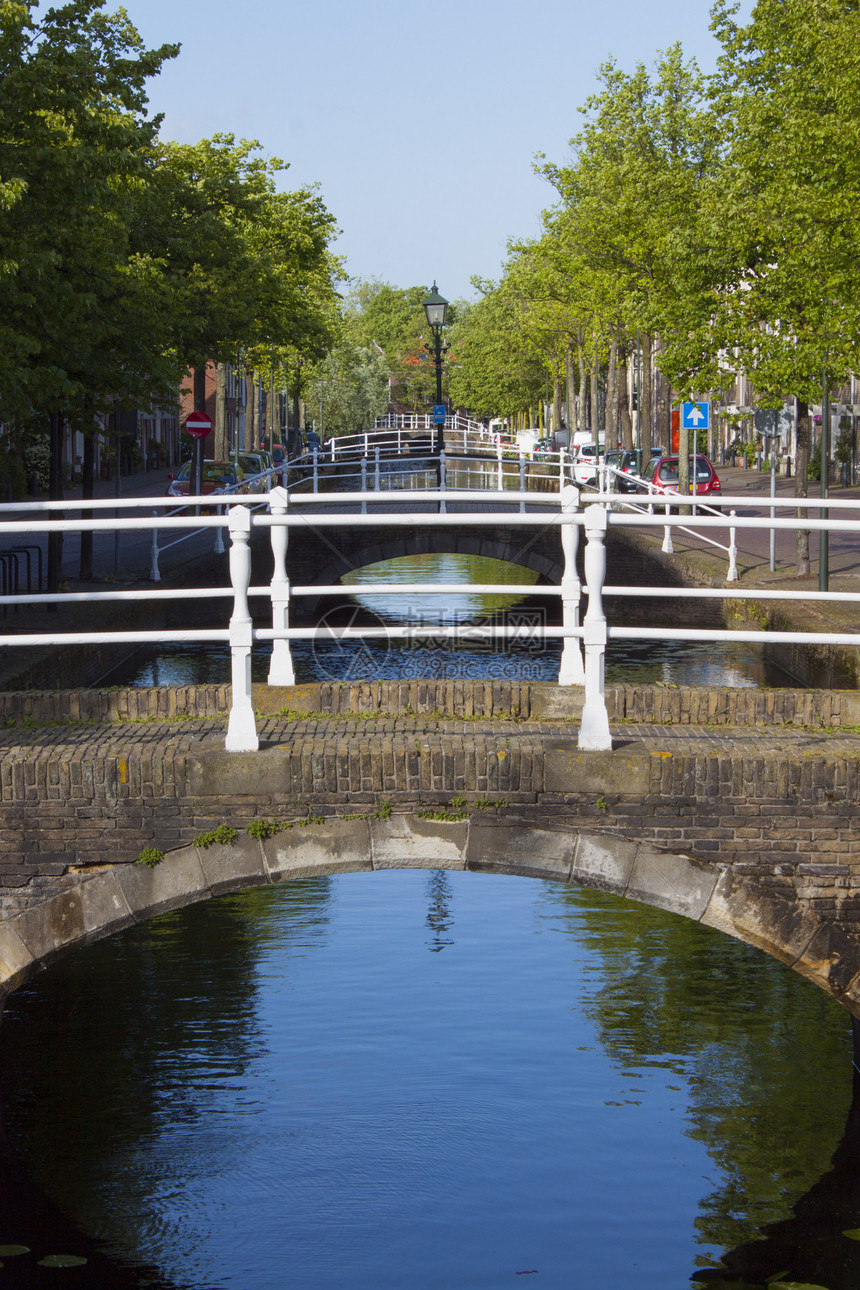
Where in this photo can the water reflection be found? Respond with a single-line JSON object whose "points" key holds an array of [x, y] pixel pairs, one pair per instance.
{"points": [[284, 1085], [811, 1246], [440, 920]]}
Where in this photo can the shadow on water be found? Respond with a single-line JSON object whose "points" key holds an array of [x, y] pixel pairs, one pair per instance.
{"points": [[810, 1249]]}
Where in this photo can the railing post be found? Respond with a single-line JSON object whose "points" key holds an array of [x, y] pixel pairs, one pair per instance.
{"points": [[594, 733], [219, 535], [501, 481], [522, 482], [242, 727], [281, 671], [560, 469], [364, 485], [376, 481], [154, 571], [443, 482], [732, 575], [333, 447], [399, 437], [316, 456], [667, 547], [571, 670]]}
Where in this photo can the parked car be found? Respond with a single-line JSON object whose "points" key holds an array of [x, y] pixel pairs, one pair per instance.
{"points": [[662, 474], [543, 447], [218, 477], [254, 464], [626, 463], [585, 463]]}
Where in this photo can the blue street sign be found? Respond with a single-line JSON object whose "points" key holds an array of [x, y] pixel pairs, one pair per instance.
{"points": [[438, 414], [695, 416]]}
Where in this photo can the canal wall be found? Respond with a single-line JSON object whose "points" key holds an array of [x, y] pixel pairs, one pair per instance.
{"points": [[742, 811]]}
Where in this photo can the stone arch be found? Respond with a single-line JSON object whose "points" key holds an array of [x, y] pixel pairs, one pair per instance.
{"points": [[312, 560], [120, 895]]}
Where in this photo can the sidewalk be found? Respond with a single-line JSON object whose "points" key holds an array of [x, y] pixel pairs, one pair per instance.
{"points": [[754, 544], [125, 558]]}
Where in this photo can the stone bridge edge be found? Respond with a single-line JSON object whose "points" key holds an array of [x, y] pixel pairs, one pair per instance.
{"points": [[118, 896]]}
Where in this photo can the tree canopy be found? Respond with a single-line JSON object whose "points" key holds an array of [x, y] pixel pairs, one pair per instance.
{"points": [[127, 259]]}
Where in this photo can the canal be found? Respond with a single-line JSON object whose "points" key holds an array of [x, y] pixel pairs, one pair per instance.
{"points": [[533, 659], [428, 1080], [424, 1079]]}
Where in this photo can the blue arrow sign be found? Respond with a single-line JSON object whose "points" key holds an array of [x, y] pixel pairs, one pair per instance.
{"points": [[439, 414], [695, 416]]}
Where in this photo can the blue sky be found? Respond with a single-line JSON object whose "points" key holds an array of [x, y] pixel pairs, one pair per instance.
{"points": [[420, 122]]}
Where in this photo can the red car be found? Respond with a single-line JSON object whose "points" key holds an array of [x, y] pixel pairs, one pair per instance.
{"points": [[662, 474]]}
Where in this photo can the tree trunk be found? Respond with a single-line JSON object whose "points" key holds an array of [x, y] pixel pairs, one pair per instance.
{"points": [[610, 415], [801, 485], [556, 403], [221, 450], [645, 402], [570, 388], [297, 410], [582, 405], [665, 416], [252, 426], [55, 493], [87, 479], [622, 393]]}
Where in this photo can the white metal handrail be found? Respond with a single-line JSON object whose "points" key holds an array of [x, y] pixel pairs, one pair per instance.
{"points": [[580, 665]]}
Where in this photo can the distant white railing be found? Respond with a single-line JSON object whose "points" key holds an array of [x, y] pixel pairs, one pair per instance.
{"points": [[424, 421], [580, 664]]}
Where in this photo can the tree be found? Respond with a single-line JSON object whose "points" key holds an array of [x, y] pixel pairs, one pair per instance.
{"points": [[778, 233], [378, 315], [631, 191], [349, 387], [75, 299]]}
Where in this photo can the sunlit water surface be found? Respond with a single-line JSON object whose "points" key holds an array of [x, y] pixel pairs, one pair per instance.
{"points": [[532, 659], [440, 1081]]}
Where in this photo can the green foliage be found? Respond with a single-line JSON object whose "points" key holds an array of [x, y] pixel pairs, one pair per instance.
{"points": [[349, 389], [126, 259], [844, 449], [460, 809], [13, 478], [150, 856], [391, 322], [223, 834], [262, 829]]}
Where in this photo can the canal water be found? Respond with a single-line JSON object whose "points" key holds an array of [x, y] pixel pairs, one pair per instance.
{"points": [[532, 659], [433, 1080], [427, 1080]]}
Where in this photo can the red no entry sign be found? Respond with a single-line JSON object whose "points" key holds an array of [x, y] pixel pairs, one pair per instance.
{"points": [[198, 424]]}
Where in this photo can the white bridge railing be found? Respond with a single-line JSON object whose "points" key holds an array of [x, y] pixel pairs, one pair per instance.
{"points": [[584, 643]]}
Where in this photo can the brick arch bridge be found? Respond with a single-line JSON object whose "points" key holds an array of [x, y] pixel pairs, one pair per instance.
{"points": [[736, 808], [322, 556]]}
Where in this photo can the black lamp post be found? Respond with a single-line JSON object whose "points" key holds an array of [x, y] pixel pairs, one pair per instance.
{"points": [[436, 309]]}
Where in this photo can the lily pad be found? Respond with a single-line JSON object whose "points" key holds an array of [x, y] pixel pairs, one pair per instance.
{"points": [[798, 1285], [8, 1251], [853, 1233], [61, 1261]]}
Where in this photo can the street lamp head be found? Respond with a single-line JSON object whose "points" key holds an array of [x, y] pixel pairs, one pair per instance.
{"points": [[436, 308]]}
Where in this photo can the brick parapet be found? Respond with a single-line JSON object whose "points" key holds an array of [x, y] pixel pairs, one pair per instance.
{"points": [[777, 804], [495, 700]]}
